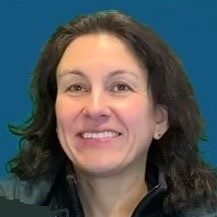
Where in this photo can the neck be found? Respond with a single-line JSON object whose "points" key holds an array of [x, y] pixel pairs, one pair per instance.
{"points": [[110, 196]]}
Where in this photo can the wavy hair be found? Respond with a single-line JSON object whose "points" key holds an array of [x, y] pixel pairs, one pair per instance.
{"points": [[190, 180]]}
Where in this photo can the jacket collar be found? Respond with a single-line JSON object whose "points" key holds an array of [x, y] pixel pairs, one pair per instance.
{"points": [[150, 205]]}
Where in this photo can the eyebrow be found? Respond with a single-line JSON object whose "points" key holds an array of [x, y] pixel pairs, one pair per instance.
{"points": [[110, 74], [70, 72]]}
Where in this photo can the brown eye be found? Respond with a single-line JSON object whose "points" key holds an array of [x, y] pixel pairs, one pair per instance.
{"points": [[77, 88], [121, 87]]}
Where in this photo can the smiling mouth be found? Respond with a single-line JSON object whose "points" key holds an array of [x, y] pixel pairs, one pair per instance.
{"points": [[99, 135]]}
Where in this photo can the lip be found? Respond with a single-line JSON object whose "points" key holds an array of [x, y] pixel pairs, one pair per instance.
{"points": [[97, 131], [98, 142]]}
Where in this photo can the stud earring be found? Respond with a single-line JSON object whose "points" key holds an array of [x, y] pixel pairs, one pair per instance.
{"points": [[157, 135]]}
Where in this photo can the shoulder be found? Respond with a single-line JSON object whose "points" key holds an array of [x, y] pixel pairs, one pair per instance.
{"points": [[201, 212], [27, 191]]}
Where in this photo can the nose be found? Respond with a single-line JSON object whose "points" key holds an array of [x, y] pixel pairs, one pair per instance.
{"points": [[97, 106]]}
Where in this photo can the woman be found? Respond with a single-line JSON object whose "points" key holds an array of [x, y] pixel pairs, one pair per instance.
{"points": [[115, 127]]}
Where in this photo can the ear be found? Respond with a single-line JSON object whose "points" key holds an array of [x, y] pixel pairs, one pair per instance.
{"points": [[162, 121]]}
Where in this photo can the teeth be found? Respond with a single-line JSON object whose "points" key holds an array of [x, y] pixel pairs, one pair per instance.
{"points": [[100, 135]]}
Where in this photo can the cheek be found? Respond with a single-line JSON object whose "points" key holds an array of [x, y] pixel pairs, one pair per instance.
{"points": [[65, 112], [138, 112]]}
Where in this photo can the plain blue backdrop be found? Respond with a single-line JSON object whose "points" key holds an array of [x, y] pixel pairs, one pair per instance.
{"points": [[189, 26]]}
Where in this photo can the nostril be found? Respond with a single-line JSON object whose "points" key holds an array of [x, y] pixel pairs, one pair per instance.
{"points": [[97, 115]]}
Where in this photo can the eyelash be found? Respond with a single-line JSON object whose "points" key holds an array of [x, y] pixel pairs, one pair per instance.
{"points": [[73, 88], [76, 86], [121, 84]]}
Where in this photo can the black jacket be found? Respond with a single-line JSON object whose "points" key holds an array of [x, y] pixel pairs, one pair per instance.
{"points": [[59, 192]]}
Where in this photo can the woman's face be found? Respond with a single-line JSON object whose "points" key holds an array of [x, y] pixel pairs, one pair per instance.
{"points": [[105, 115]]}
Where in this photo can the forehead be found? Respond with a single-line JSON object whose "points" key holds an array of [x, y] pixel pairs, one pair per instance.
{"points": [[99, 53]]}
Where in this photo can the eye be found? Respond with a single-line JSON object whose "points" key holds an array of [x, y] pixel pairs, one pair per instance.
{"points": [[121, 87], [77, 88]]}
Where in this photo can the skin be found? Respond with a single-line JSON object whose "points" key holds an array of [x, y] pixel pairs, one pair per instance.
{"points": [[101, 86]]}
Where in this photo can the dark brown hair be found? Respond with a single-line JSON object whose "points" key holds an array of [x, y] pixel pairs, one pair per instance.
{"points": [[190, 181]]}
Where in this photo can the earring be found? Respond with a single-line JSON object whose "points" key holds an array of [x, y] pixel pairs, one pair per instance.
{"points": [[157, 135]]}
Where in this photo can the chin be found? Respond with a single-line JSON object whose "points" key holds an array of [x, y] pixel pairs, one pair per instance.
{"points": [[100, 170]]}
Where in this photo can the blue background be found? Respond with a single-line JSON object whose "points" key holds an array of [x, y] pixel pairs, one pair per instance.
{"points": [[189, 26]]}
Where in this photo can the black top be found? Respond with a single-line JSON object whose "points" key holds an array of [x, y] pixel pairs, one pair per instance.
{"points": [[64, 194]]}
